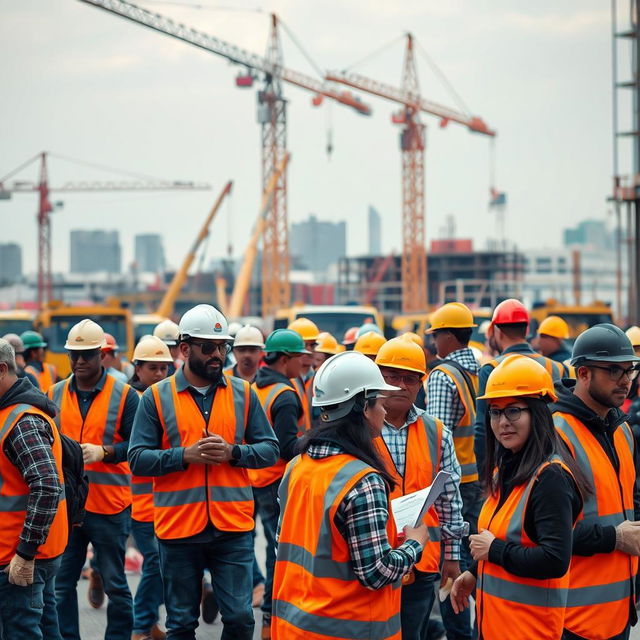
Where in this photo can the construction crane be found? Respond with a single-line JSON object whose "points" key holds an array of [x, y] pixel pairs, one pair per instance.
{"points": [[272, 118], [412, 144], [45, 207]]}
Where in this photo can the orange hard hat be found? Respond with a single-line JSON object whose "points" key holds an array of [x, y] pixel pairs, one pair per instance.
{"points": [[510, 311], [327, 344], [402, 353], [519, 375], [306, 328], [369, 343], [350, 336], [110, 343], [414, 337], [453, 315], [555, 327]]}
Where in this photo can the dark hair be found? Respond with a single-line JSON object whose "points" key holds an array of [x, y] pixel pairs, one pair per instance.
{"points": [[462, 335], [273, 356], [543, 443], [353, 434], [515, 330]]}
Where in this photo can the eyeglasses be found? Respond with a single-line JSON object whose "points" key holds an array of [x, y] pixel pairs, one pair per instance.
{"points": [[512, 414], [87, 355], [410, 379], [208, 348], [616, 373]]}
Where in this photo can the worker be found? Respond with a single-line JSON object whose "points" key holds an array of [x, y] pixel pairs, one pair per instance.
{"points": [[452, 387], [415, 447], [326, 347], [523, 551], [550, 339], [508, 333], [338, 568], [369, 344], [350, 337], [247, 350], [110, 360], [168, 332], [606, 540], [34, 357], [34, 509], [632, 403], [284, 351], [97, 411], [18, 348], [304, 382], [196, 433]]}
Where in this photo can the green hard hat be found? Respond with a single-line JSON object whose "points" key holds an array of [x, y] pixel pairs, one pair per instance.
{"points": [[32, 340], [286, 341]]}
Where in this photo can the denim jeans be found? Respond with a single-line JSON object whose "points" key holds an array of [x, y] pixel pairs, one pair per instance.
{"points": [[149, 595], [29, 613], [108, 534], [416, 603], [267, 507], [229, 558]]}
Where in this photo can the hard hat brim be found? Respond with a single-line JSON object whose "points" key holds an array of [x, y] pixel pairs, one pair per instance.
{"points": [[583, 360], [170, 343], [75, 347], [451, 326], [207, 336], [316, 402], [510, 393], [248, 343], [37, 345]]}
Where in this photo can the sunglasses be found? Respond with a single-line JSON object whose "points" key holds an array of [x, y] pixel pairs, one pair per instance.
{"points": [[87, 355], [208, 348]]}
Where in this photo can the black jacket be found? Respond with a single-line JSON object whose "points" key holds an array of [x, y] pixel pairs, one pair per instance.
{"points": [[24, 392]]}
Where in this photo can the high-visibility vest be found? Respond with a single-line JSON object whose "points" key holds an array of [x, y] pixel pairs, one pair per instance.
{"points": [[601, 588], [14, 492], [422, 463], [141, 494], [46, 378], [304, 422], [463, 432], [267, 396], [555, 369], [109, 483], [184, 502], [532, 609], [316, 593]]}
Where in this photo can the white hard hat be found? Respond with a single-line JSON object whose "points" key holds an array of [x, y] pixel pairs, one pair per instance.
{"points": [[168, 332], [85, 335], [234, 327], [206, 322], [341, 378], [248, 336], [151, 349]]}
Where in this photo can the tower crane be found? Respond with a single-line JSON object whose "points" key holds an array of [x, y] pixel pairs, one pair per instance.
{"points": [[272, 118], [412, 144], [45, 207]]}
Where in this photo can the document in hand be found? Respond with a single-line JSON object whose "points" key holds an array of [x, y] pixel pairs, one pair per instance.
{"points": [[411, 509]]}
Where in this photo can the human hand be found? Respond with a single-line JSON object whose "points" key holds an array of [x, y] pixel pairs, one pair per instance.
{"points": [[479, 544], [419, 534], [461, 590], [450, 570], [628, 537], [214, 449], [92, 452], [20, 571]]}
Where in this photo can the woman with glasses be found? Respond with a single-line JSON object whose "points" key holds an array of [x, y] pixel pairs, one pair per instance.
{"points": [[534, 496]]}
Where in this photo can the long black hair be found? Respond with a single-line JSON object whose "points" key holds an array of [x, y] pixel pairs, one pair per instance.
{"points": [[543, 442], [353, 434]]}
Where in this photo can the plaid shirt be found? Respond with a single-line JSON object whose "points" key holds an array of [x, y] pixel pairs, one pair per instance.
{"points": [[448, 505], [443, 400]]}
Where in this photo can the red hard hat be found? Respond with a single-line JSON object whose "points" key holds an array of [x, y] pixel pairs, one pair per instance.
{"points": [[110, 343], [510, 311], [350, 336]]}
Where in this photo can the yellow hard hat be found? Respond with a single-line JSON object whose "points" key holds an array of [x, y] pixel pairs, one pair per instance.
{"points": [[327, 344], [85, 335], [633, 333], [151, 349], [519, 375], [402, 353], [306, 328], [369, 343], [555, 327], [168, 331], [414, 337], [453, 315]]}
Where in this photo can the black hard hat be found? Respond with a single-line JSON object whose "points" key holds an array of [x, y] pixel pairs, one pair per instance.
{"points": [[602, 343]]}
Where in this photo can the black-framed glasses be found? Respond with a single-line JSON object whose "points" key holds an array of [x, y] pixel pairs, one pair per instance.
{"points": [[86, 355], [512, 414], [616, 372], [410, 379], [209, 348]]}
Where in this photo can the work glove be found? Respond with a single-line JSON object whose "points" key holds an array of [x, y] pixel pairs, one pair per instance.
{"points": [[92, 452], [20, 571], [628, 538]]}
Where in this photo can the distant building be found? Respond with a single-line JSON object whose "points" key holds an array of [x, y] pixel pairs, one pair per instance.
{"points": [[10, 263], [149, 253], [590, 233], [375, 232], [95, 250], [316, 244]]}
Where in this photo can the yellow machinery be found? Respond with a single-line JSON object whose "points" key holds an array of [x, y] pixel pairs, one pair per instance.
{"points": [[16, 321], [578, 317], [144, 324]]}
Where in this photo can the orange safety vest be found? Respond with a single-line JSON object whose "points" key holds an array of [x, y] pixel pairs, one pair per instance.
{"points": [[141, 494], [463, 432], [109, 483], [46, 378], [601, 589], [316, 593], [267, 396], [423, 456], [184, 502], [14, 492], [532, 609], [304, 422]]}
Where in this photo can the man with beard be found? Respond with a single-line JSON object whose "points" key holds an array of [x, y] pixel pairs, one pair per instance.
{"points": [[196, 433]]}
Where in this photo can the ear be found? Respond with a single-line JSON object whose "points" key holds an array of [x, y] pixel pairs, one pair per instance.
{"points": [[183, 347]]}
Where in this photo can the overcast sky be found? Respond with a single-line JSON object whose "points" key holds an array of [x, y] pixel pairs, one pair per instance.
{"points": [[83, 83]]}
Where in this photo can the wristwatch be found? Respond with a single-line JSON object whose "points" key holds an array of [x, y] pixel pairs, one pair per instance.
{"points": [[235, 452]]}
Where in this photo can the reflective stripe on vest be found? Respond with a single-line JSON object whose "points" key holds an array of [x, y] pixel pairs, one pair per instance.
{"points": [[316, 592], [109, 483], [14, 491], [185, 501], [601, 586]]}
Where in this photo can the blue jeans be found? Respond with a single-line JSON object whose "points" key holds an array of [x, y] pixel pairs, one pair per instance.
{"points": [[416, 603], [149, 594], [229, 558], [29, 613], [108, 534], [267, 507]]}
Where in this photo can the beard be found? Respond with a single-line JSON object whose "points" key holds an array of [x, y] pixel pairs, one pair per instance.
{"points": [[603, 399], [205, 370]]}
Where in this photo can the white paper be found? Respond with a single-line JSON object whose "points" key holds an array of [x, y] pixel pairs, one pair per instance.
{"points": [[411, 509]]}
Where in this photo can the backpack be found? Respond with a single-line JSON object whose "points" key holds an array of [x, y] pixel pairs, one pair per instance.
{"points": [[76, 483]]}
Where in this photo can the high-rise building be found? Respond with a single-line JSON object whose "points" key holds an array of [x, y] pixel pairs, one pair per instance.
{"points": [[316, 244], [375, 232], [10, 263], [95, 250], [590, 233], [149, 252]]}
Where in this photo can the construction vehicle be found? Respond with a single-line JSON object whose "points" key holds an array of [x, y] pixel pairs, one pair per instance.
{"points": [[144, 324], [16, 321], [578, 317]]}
